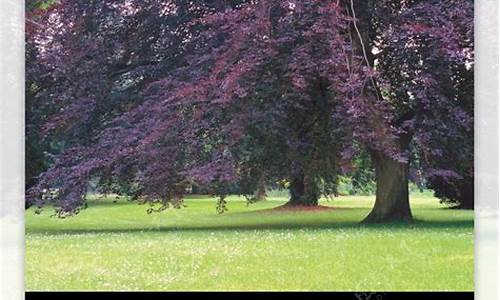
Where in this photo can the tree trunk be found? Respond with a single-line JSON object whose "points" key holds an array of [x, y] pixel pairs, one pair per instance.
{"points": [[466, 198], [260, 193], [392, 201], [302, 193]]}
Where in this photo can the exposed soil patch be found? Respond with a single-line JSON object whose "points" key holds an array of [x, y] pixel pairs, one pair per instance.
{"points": [[298, 208]]}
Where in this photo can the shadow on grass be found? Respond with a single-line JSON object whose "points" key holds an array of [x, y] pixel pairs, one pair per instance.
{"points": [[93, 203], [275, 226]]}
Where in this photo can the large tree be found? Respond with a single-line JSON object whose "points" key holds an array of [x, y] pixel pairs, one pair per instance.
{"points": [[422, 52], [255, 99], [89, 61]]}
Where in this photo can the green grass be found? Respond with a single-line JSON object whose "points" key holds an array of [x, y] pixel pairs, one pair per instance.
{"points": [[118, 246]]}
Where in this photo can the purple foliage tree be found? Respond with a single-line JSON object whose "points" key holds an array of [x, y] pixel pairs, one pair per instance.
{"points": [[423, 53], [163, 95]]}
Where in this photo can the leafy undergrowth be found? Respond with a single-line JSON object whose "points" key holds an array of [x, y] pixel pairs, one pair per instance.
{"points": [[118, 246]]}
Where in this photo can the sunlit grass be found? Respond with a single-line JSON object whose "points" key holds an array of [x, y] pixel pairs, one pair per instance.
{"points": [[118, 246]]}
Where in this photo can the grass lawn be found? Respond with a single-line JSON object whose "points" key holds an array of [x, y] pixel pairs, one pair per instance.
{"points": [[118, 246]]}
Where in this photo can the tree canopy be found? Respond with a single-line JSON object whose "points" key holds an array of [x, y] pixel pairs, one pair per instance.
{"points": [[157, 96]]}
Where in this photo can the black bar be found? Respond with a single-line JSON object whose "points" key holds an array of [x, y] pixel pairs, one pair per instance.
{"points": [[239, 295]]}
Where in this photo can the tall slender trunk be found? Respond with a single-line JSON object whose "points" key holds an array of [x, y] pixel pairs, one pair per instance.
{"points": [[302, 193], [392, 201]]}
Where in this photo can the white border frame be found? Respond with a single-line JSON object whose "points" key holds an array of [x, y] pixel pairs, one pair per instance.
{"points": [[12, 149], [486, 149]]}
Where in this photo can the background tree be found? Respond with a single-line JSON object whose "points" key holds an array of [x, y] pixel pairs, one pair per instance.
{"points": [[459, 149]]}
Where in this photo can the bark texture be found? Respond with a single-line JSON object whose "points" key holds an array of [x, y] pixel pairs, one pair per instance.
{"points": [[392, 201], [302, 193]]}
